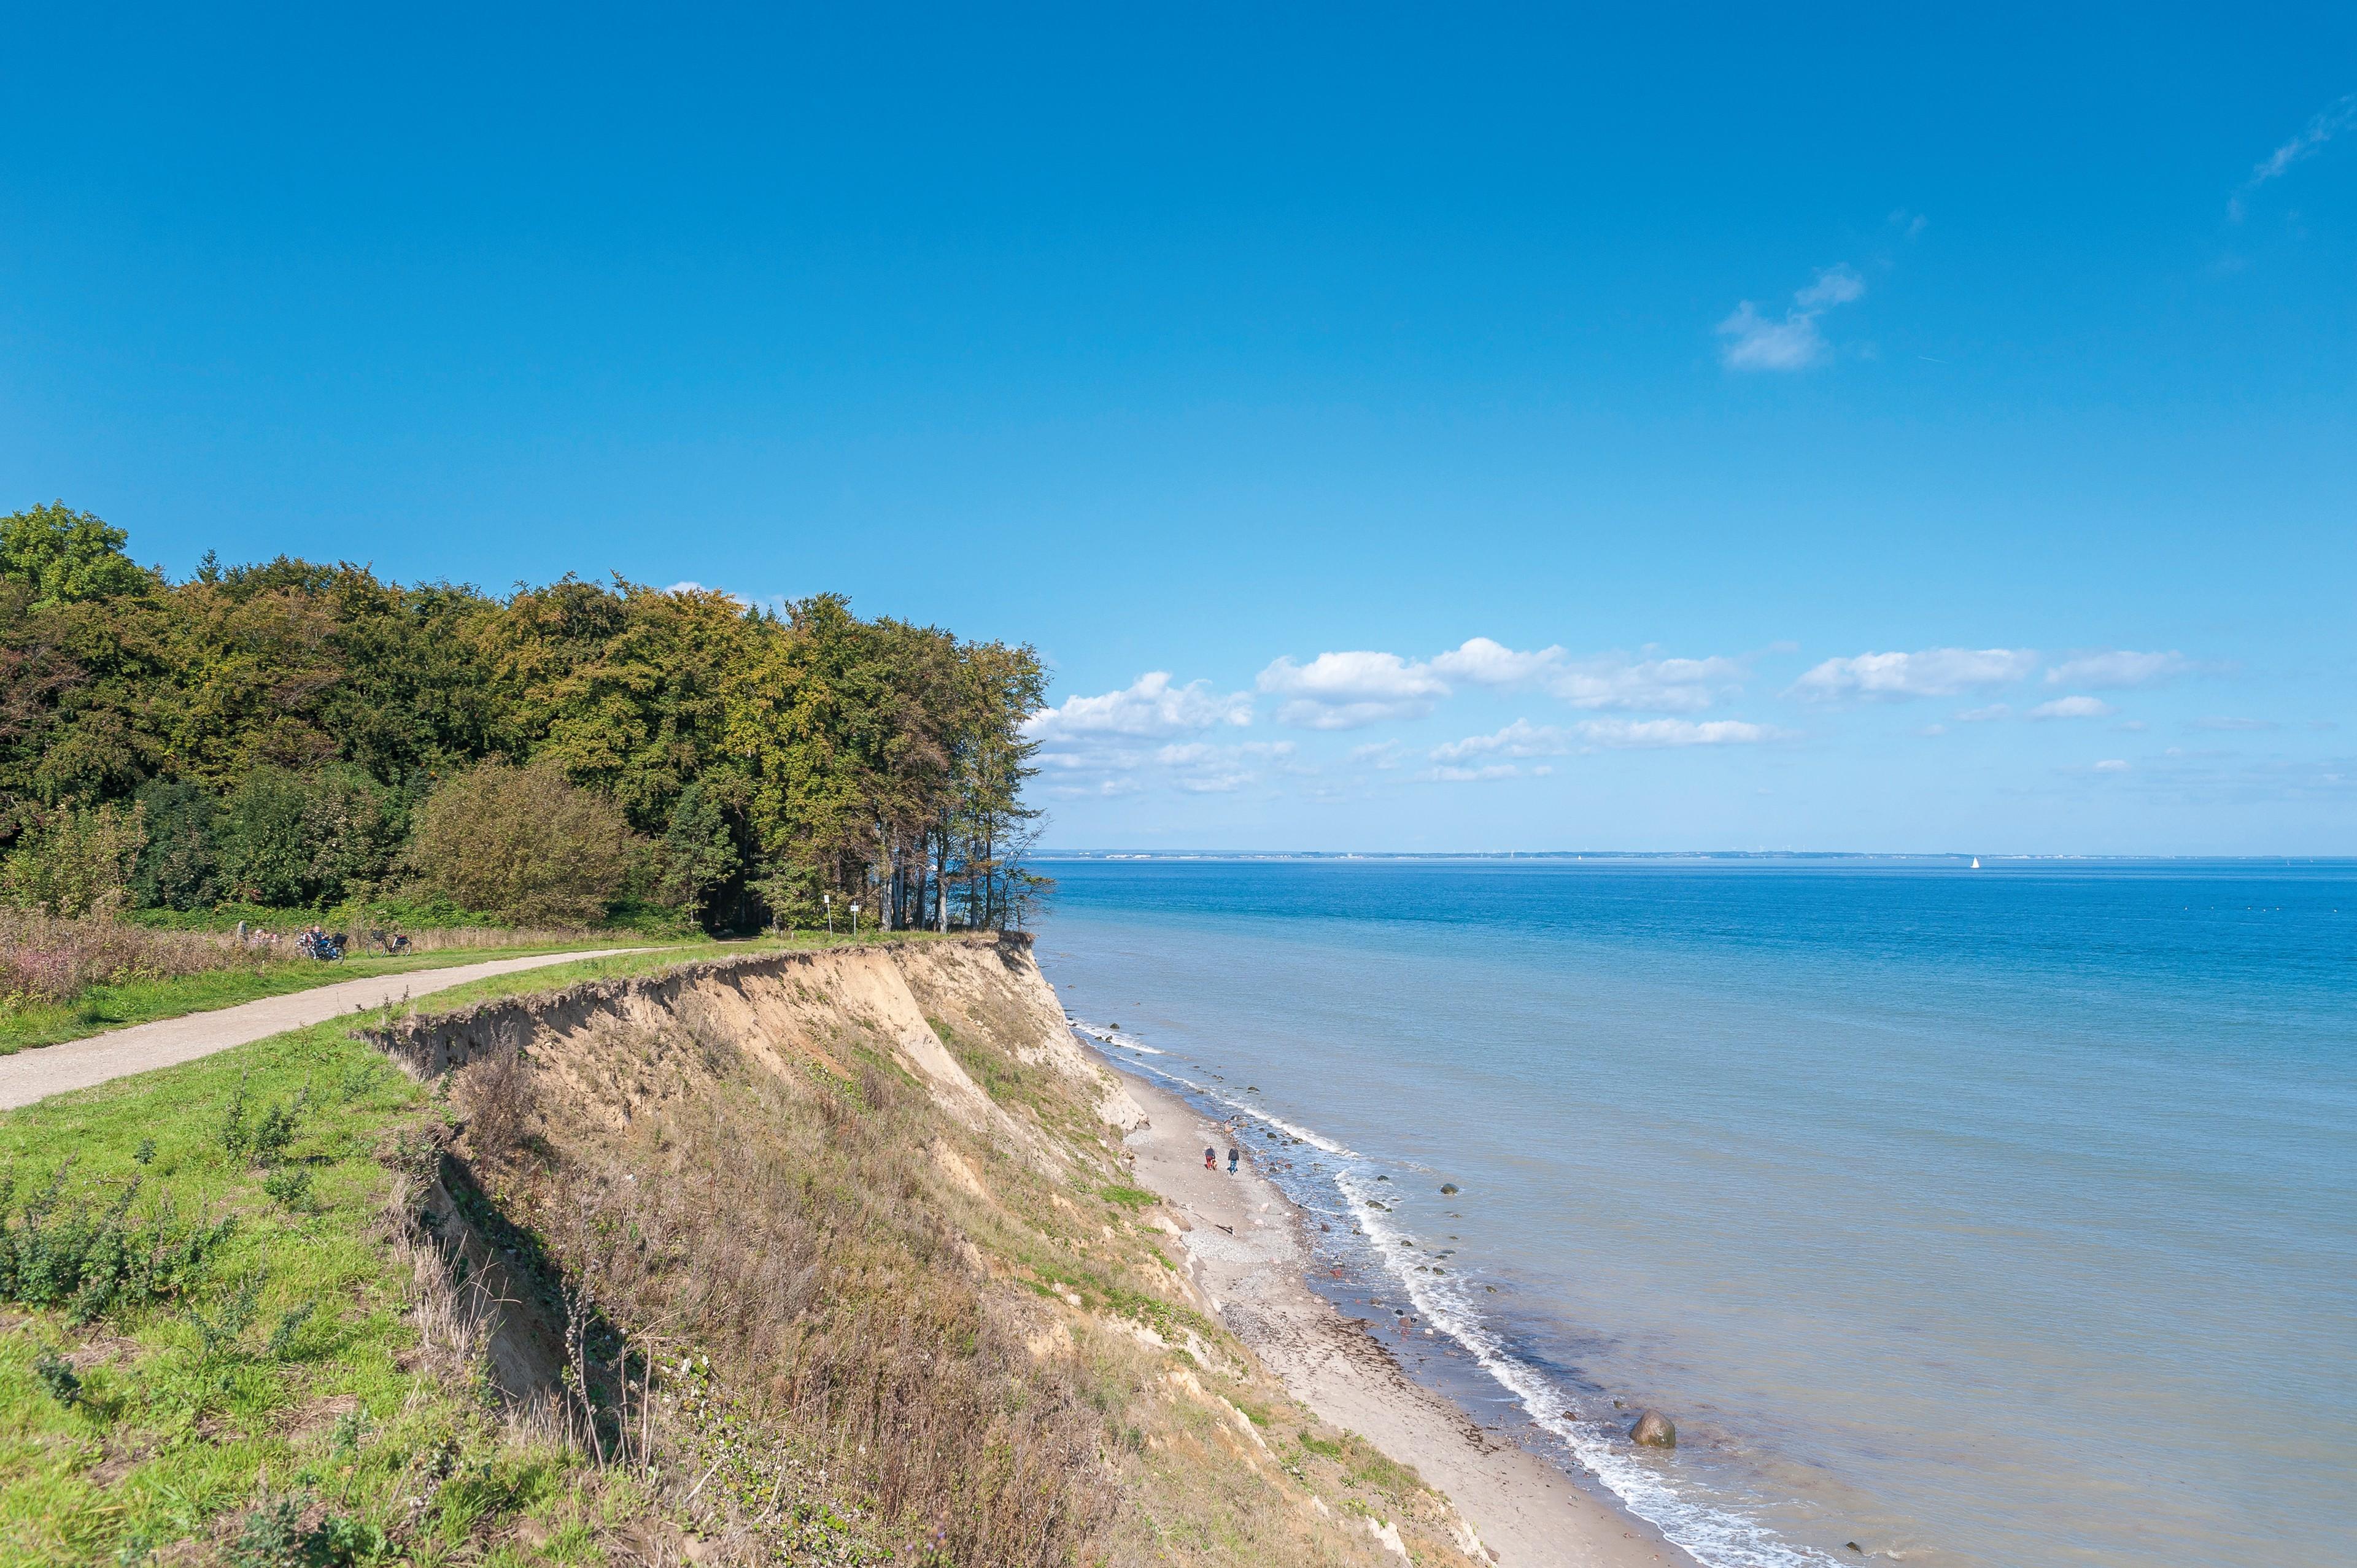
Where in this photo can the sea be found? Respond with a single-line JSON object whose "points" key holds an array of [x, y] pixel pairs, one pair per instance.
{"points": [[1956, 1216]]}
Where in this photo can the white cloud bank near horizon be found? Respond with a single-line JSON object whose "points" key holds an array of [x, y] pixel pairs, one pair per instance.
{"points": [[1192, 739], [1352, 690]]}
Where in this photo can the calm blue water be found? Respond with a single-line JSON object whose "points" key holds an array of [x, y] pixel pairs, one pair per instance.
{"points": [[1995, 1217]]}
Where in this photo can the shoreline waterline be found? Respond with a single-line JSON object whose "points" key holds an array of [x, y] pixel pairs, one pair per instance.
{"points": [[1249, 1248], [1588, 1447]]}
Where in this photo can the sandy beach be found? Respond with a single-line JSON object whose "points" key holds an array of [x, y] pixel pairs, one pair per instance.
{"points": [[1245, 1251]]}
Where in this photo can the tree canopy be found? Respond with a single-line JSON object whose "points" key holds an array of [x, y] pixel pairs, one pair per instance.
{"points": [[279, 728]]}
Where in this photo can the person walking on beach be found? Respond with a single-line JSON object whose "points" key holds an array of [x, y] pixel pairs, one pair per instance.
{"points": [[1231, 1159], [1211, 1159]]}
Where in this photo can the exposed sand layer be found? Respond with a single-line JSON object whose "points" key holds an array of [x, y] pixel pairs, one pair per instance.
{"points": [[1245, 1251]]}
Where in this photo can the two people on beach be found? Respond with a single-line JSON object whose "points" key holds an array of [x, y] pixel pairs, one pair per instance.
{"points": [[1212, 1160]]}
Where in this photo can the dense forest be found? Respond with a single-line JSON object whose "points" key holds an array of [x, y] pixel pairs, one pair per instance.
{"points": [[293, 735]]}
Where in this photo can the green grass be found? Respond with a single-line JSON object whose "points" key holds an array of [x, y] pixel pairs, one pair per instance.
{"points": [[105, 1007], [558, 976], [276, 1380]]}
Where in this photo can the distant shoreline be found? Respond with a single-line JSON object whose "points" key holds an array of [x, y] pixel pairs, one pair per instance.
{"points": [[1957, 859]]}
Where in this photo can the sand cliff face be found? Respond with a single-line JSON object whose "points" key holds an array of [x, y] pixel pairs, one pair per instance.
{"points": [[855, 1229], [781, 1006]]}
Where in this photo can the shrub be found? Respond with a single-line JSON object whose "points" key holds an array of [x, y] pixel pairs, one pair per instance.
{"points": [[77, 863], [523, 843], [292, 839], [57, 1374], [263, 1139], [275, 1535], [290, 1185], [93, 1260]]}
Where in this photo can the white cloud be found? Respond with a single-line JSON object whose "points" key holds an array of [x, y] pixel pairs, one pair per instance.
{"points": [[1380, 753], [2073, 708], [1485, 661], [2112, 765], [1520, 738], [1601, 680], [1933, 672], [2117, 667], [1524, 739], [1349, 691], [1757, 342], [1486, 774], [1984, 715], [1213, 783], [1646, 733], [2328, 122], [1834, 285], [1103, 788], [2219, 722], [1148, 707]]}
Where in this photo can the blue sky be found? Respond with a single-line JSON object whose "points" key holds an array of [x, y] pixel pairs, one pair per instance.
{"points": [[1401, 429]]}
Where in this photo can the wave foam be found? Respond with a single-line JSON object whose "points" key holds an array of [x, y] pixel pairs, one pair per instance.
{"points": [[1716, 1537], [1106, 1034]]}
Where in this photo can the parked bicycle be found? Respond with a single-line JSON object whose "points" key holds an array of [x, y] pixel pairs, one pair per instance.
{"points": [[328, 948]]}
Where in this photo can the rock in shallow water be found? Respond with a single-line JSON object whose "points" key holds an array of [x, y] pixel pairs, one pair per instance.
{"points": [[1654, 1430]]}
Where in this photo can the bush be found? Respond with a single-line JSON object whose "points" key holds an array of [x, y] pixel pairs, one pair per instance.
{"points": [[524, 844], [290, 1185], [77, 863], [301, 839], [178, 866], [92, 1261], [57, 1374]]}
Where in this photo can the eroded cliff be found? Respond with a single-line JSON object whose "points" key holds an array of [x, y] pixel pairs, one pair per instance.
{"points": [[835, 1248]]}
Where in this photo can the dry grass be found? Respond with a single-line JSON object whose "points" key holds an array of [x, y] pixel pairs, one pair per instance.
{"points": [[788, 1232], [462, 938], [47, 960], [820, 1317], [43, 959]]}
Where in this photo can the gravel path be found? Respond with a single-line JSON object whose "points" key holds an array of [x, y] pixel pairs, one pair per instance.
{"points": [[36, 1074]]}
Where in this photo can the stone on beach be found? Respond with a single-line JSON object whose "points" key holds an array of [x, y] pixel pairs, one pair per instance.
{"points": [[1654, 1430]]}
